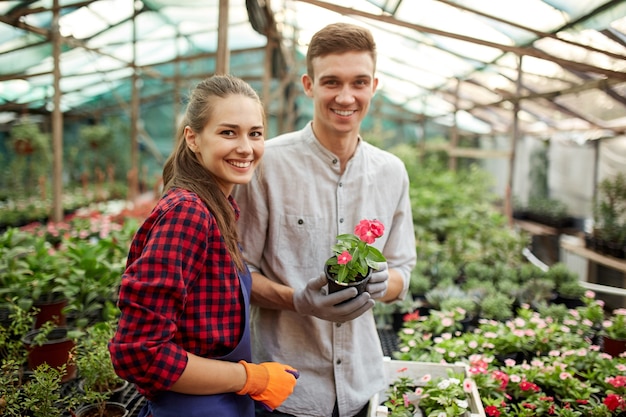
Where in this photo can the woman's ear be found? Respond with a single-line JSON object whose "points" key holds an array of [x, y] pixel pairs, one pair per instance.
{"points": [[191, 138]]}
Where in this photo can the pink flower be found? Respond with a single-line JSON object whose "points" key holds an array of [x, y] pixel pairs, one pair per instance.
{"points": [[369, 230], [618, 381], [344, 258], [468, 385]]}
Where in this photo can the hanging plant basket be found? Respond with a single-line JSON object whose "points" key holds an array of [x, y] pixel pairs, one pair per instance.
{"points": [[26, 138], [23, 147], [96, 136]]}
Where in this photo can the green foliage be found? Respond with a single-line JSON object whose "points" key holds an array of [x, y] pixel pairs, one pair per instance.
{"points": [[42, 393], [436, 296], [419, 283], [497, 306], [466, 303], [571, 290], [397, 402], [94, 361], [560, 274]]}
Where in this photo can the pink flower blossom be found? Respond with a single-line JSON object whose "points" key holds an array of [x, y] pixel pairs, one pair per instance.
{"points": [[369, 230], [344, 258], [468, 385]]}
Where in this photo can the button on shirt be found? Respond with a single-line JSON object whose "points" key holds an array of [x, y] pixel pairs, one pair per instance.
{"points": [[291, 214], [180, 291]]}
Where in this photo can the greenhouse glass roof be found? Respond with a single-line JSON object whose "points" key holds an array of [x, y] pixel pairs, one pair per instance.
{"points": [[467, 63]]}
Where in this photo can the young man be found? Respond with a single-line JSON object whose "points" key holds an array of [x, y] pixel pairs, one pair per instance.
{"points": [[317, 183]]}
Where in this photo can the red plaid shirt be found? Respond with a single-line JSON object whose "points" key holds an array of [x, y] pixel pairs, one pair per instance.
{"points": [[180, 293]]}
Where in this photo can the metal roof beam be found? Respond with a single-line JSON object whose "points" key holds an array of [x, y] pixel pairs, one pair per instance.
{"points": [[508, 48]]}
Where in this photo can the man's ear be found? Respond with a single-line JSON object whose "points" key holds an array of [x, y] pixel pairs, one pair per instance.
{"points": [[307, 84], [190, 138]]}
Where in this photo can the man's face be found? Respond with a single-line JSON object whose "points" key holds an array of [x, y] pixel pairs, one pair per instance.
{"points": [[343, 87]]}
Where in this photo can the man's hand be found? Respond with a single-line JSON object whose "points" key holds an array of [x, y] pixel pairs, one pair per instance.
{"points": [[378, 283], [312, 300]]}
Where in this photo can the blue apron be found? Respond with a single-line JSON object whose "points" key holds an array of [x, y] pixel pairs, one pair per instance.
{"points": [[174, 404]]}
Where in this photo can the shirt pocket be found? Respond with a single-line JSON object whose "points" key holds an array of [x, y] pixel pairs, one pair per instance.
{"points": [[300, 243]]}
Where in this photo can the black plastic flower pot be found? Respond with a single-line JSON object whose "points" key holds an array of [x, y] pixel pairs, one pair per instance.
{"points": [[335, 286]]}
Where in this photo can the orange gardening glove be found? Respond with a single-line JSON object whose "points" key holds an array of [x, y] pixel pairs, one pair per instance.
{"points": [[270, 383]]}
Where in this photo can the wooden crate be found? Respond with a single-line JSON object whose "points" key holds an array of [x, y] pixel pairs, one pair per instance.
{"points": [[417, 370]]}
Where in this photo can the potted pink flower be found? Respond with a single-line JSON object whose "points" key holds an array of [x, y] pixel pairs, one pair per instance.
{"points": [[354, 257], [614, 332]]}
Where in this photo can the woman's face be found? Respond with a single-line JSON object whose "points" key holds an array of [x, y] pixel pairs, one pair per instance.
{"points": [[232, 143]]}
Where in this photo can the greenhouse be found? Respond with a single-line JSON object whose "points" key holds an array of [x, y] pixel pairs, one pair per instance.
{"points": [[509, 118]]}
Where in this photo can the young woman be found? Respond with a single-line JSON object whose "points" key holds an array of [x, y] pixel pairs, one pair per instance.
{"points": [[183, 336]]}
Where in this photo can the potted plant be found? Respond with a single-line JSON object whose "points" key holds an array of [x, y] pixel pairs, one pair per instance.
{"points": [[614, 332], [27, 139], [52, 345], [444, 291], [570, 294], [496, 306], [95, 368], [33, 279], [91, 283], [96, 135], [609, 232], [354, 257]]}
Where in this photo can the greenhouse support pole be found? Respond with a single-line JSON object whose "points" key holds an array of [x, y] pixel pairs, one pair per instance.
{"points": [[452, 159], [222, 64], [508, 204], [57, 122], [177, 97], [267, 73], [133, 175]]}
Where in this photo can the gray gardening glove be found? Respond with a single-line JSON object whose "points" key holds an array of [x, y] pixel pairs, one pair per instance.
{"points": [[378, 283], [313, 300]]}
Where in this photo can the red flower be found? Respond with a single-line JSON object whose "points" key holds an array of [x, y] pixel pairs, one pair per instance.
{"points": [[414, 316], [526, 386], [492, 410], [614, 402], [502, 377], [344, 258]]}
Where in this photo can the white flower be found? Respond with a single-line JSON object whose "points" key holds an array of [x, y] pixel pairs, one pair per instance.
{"points": [[461, 403]]}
